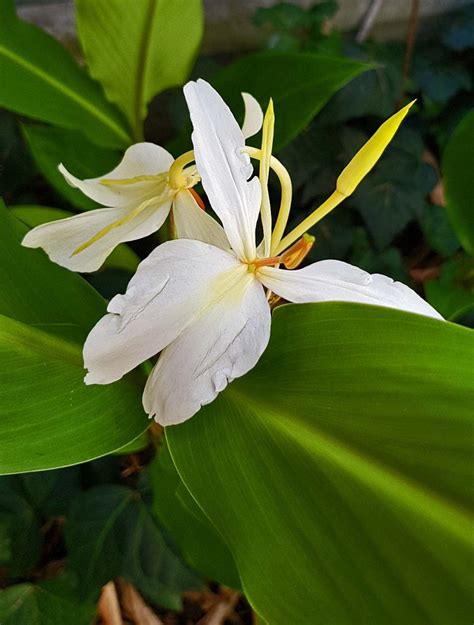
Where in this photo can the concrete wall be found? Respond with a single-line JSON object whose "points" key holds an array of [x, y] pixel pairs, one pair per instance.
{"points": [[228, 22]]}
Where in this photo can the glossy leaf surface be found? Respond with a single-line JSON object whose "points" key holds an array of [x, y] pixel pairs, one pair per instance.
{"points": [[137, 49], [40, 79], [49, 417], [338, 469], [458, 165]]}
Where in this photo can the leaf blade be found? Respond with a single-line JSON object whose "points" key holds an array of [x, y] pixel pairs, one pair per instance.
{"points": [[33, 62], [342, 461]]}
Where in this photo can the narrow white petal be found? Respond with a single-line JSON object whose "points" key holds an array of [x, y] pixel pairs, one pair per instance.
{"points": [[139, 159], [253, 118], [61, 238], [224, 169], [192, 222], [333, 280], [221, 345], [168, 291]]}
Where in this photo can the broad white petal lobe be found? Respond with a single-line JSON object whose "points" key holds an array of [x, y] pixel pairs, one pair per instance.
{"points": [[169, 290], [138, 160], [60, 239], [334, 280], [222, 344]]}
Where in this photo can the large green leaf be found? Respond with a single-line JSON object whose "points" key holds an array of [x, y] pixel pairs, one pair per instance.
{"points": [[338, 471], [137, 49], [110, 533], [200, 543], [49, 418], [458, 165], [300, 85], [51, 146], [41, 80], [38, 292]]}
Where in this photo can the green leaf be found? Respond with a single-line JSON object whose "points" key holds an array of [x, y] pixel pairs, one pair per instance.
{"points": [[439, 76], [20, 526], [16, 166], [123, 257], [453, 293], [458, 165], [138, 444], [300, 85], [438, 231], [394, 194], [48, 603], [373, 93], [41, 80], [38, 292], [110, 533], [338, 470], [138, 49], [49, 417], [51, 146], [200, 543]]}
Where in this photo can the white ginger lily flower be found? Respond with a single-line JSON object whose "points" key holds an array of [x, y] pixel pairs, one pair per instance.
{"points": [[140, 192], [205, 308]]}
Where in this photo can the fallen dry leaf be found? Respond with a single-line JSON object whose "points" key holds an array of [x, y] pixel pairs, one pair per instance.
{"points": [[108, 606], [134, 607]]}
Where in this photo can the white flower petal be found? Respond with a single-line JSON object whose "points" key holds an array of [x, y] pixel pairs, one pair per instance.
{"points": [[253, 119], [170, 288], [333, 280], [139, 159], [61, 238], [221, 345], [224, 169], [192, 222]]}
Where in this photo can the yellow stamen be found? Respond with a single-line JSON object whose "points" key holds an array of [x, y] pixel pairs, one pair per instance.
{"points": [[177, 177], [266, 154], [286, 195], [351, 175]]}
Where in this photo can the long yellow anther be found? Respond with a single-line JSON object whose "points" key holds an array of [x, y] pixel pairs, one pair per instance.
{"points": [[351, 175], [266, 154], [370, 153]]}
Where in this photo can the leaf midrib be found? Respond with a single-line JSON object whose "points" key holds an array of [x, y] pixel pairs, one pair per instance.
{"points": [[143, 57], [69, 93]]}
